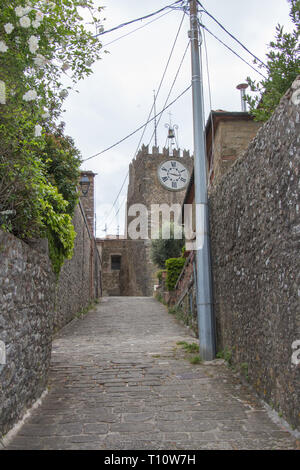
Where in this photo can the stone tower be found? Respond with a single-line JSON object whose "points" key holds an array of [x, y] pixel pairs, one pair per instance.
{"points": [[148, 185], [87, 199]]}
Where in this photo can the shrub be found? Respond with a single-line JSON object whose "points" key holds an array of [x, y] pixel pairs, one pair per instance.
{"points": [[159, 275], [165, 248], [174, 267]]}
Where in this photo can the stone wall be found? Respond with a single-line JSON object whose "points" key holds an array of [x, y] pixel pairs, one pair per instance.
{"points": [[255, 229], [79, 281], [184, 294], [33, 305], [132, 278], [27, 286]]}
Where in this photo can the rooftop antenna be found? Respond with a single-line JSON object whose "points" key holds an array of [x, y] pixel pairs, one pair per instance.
{"points": [[242, 87], [171, 134], [155, 122]]}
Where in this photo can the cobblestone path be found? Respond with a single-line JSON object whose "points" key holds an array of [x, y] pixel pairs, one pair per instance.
{"points": [[119, 380]]}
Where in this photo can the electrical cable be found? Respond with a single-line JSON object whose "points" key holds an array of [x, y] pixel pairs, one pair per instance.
{"points": [[210, 105], [228, 47], [172, 86], [231, 35], [137, 19], [137, 29], [137, 130], [148, 119]]}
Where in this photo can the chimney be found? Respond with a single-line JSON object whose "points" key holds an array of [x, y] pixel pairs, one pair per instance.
{"points": [[242, 87]]}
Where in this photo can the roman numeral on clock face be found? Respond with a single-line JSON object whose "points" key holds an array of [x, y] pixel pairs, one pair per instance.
{"points": [[173, 175]]}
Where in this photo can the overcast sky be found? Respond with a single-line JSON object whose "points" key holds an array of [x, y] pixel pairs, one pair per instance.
{"points": [[117, 98]]}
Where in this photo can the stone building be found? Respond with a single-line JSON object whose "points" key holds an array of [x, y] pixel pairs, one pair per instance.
{"points": [[87, 197], [154, 179], [227, 136]]}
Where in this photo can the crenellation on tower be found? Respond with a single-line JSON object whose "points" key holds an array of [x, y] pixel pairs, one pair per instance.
{"points": [[166, 152]]}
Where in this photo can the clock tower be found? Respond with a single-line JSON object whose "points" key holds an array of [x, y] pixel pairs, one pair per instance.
{"points": [[154, 179]]}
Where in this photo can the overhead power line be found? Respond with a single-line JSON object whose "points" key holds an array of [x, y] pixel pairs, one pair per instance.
{"points": [[150, 113], [231, 50], [137, 29], [172, 86], [230, 34], [134, 132], [138, 19]]}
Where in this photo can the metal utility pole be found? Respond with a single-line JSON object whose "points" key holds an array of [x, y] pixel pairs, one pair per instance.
{"points": [[155, 122], [206, 322]]}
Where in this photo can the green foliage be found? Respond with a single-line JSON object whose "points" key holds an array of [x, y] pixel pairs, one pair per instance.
{"points": [[159, 275], [196, 359], [62, 162], [244, 369], [189, 347], [39, 166], [174, 267], [164, 248], [282, 68], [58, 226], [226, 354]]}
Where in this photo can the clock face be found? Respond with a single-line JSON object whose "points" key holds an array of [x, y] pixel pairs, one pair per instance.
{"points": [[173, 175]]}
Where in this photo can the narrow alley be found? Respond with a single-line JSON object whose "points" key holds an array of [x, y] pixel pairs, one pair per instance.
{"points": [[120, 380]]}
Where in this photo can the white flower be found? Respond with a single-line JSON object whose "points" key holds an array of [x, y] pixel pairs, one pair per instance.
{"points": [[8, 28], [40, 60], [27, 10], [2, 93], [36, 24], [39, 15], [33, 43], [46, 115], [38, 130], [25, 22], [3, 46], [30, 95], [19, 11]]}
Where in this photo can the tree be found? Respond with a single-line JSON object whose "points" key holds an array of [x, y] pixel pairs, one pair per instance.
{"points": [[42, 45], [166, 248], [282, 68]]}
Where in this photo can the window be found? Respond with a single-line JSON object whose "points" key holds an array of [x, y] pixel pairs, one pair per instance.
{"points": [[116, 262]]}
